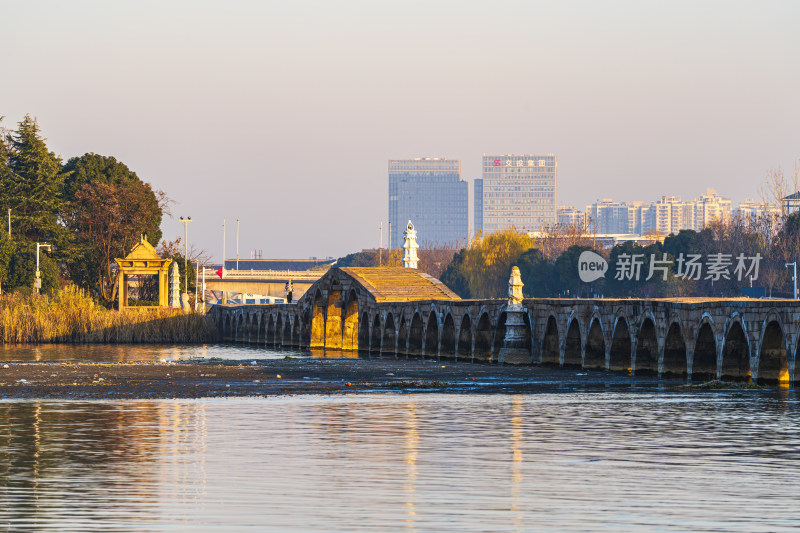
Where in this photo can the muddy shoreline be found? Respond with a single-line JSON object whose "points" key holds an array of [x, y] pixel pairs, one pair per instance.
{"points": [[301, 376]]}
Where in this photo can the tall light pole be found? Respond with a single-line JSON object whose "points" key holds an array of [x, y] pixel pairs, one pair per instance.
{"points": [[237, 244], [185, 222], [794, 276], [37, 283]]}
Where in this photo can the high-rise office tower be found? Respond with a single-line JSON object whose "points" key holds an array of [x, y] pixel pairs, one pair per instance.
{"points": [[477, 199], [519, 191], [430, 193]]}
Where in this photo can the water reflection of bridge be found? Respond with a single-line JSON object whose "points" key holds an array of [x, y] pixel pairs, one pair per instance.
{"points": [[354, 309]]}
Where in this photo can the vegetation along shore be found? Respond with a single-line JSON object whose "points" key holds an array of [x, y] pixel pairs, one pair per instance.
{"points": [[71, 315]]}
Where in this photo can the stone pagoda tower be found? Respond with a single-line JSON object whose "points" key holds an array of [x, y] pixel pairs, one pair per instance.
{"points": [[410, 246]]}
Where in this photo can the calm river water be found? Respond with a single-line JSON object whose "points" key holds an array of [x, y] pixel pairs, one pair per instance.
{"points": [[614, 461]]}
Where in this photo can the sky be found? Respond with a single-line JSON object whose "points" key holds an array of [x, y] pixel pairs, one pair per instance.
{"points": [[285, 114]]}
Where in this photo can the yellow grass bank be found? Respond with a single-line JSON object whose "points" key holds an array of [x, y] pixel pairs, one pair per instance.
{"points": [[72, 316]]}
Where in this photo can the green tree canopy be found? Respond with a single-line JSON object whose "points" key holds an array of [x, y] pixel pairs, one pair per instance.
{"points": [[455, 276], [22, 271], [32, 184], [537, 274], [566, 273]]}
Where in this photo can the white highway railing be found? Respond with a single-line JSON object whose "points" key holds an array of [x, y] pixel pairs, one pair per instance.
{"points": [[302, 275]]}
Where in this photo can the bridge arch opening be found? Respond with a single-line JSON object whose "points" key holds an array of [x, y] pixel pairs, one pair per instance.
{"points": [[232, 330], [287, 331], [528, 335], [389, 336], [305, 329], [431, 345], [704, 364], [572, 347], [735, 354], [296, 331], [252, 329], [595, 356], [262, 329], [772, 362], [375, 344], [269, 339], [550, 343], [350, 328], [279, 330], [333, 320], [674, 352], [363, 334], [227, 328], [465, 340], [415, 336], [402, 338], [483, 339], [646, 361], [448, 349], [620, 359], [318, 321], [499, 334], [239, 329]]}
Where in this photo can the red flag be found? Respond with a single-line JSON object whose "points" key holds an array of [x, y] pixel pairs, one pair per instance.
{"points": [[221, 272]]}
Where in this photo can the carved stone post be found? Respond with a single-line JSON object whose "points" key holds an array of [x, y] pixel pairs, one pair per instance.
{"points": [[410, 246], [515, 350], [174, 287]]}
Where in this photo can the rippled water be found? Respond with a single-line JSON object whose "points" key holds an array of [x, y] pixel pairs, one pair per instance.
{"points": [[136, 352], [373, 462]]}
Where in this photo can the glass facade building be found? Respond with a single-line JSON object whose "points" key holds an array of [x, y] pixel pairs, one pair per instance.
{"points": [[519, 191], [430, 193], [477, 194]]}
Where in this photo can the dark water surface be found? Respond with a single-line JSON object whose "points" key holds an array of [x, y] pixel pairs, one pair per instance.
{"points": [[390, 462]]}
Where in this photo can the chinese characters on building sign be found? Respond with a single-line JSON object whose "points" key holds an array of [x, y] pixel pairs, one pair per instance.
{"points": [[715, 267], [519, 163]]}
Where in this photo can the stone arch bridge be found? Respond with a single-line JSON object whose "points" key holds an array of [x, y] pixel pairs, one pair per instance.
{"points": [[403, 313]]}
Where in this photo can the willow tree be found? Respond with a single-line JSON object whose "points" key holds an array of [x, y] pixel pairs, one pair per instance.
{"points": [[483, 269]]}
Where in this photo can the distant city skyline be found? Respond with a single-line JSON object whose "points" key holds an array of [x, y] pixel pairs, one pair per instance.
{"points": [[262, 112]]}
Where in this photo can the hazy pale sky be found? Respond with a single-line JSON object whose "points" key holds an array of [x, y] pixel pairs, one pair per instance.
{"points": [[285, 114]]}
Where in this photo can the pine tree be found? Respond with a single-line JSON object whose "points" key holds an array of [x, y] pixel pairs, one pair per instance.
{"points": [[33, 188]]}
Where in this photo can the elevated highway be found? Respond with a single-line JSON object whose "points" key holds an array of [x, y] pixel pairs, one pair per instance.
{"points": [[263, 282]]}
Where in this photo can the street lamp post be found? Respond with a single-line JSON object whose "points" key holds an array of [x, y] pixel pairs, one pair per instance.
{"points": [[794, 276], [185, 295], [37, 283]]}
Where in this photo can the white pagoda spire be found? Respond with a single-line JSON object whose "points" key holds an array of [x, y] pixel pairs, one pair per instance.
{"points": [[410, 246]]}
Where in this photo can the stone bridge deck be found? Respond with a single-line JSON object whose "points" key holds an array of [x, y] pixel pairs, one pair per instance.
{"points": [[700, 338]]}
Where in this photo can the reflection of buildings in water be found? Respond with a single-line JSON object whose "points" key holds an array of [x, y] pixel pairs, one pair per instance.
{"points": [[62, 456], [183, 449], [516, 459], [411, 450], [377, 436]]}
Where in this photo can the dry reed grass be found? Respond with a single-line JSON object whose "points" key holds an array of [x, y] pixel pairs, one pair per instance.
{"points": [[71, 315]]}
